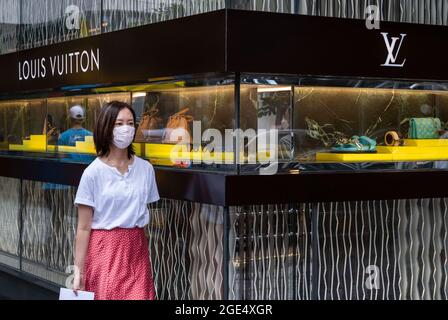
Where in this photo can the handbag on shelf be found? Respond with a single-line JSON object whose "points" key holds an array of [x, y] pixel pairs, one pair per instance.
{"points": [[150, 123], [176, 123], [424, 128], [50, 130]]}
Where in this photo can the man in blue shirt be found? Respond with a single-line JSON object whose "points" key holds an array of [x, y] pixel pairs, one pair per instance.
{"points": [[76, 132], [69, 138]]}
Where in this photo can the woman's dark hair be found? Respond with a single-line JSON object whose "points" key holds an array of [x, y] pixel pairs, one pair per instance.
{"points": [[104, 128]]}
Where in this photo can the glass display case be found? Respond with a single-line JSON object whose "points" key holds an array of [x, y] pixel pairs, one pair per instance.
{"points": [[348, 124], [173, 119], [290, 123]]}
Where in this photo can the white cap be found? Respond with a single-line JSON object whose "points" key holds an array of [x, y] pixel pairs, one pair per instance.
{"points": [[77, 112]]}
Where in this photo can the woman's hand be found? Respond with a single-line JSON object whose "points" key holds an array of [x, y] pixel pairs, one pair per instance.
{"points": [[78, 283], [85, 215]]}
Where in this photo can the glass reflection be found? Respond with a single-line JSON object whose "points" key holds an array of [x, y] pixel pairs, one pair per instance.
{"points": [[340, 124]]}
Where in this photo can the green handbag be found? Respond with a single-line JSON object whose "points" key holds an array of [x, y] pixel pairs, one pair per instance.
{"points": [[424, 128]]}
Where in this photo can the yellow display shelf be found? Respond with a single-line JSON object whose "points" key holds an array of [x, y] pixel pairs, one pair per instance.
{"points": [[138, 149], [354, 157], [87, 146], [161, 154], [16, 147], [83, 147], [67, 149], [36, 143], [426, 142], [413, 150]]}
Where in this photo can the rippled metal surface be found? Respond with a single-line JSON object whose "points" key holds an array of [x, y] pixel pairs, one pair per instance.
{"points": [[400, 245], [416, 11], [9, 215], [186, 239], [122, 14], [26, 24], [270, 250], [31, 23], [186, 247], [372, 250], [44, 22], [9, 26], [49, 226]]}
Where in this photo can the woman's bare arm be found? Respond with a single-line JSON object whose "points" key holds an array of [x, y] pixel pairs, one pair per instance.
{"points": [[85, 215]]}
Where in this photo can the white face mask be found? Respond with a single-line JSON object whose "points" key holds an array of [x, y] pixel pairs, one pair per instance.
{"points": [[123, 136]]}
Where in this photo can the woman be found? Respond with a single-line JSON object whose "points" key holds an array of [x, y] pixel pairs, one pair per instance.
{"points": [[111, 251]]}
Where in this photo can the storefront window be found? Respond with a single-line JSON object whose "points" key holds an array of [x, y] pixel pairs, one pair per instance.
{"points": [[340, 124], [295, 123], [184, 124], [186, 112], [22, 125]]}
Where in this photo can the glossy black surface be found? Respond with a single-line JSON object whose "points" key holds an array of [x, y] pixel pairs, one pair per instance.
{"points": [[232, 190], [183, 46], [233, 41]]}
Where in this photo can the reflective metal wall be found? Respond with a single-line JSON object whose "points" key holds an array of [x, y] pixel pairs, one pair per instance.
{"points": [[9, 26], [270, 253], [9, 221], [122, 14], [28, 24], [38, 227], [186, 248], [32, 23], [416, 11], [366, 250]]}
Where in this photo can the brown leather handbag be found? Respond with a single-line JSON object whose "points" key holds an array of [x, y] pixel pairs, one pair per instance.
{"points": [[177, 121], [149, 123], [50, 130]]}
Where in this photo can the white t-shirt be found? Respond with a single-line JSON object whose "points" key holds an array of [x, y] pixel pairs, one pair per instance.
{"points": [[118, 201]]}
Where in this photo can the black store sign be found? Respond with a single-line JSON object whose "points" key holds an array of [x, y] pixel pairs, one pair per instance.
{"points": [[234, 41]]}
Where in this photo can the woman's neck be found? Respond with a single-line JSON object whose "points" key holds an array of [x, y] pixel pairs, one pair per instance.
{"points": [[117, 156]]}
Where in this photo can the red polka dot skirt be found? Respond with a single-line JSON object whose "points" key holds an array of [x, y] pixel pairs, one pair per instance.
{"points": [[118, 266]]}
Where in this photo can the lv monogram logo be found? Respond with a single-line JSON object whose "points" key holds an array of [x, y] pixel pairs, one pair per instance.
{"points": [[393, 51]]}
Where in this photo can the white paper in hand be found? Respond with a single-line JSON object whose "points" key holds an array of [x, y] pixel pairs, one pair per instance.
{"points": [[68, 294]]}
